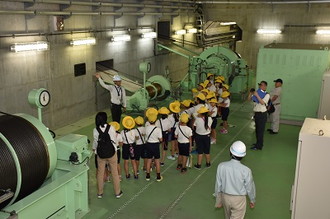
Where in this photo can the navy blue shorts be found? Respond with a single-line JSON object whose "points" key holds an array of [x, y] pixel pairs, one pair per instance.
{"points": [[143, 151], [118, 156], [137, 151], [184, 149], [203, 144], [224, 113], [153, 150], [171, 136], [127, 152], [214, 122]]}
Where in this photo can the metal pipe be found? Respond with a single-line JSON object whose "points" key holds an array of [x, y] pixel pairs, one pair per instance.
{"points": [[263, 3], [172, 50]]}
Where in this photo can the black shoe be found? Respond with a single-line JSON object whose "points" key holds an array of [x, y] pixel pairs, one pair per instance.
{"points": [[208, 164], [162, 164], [273, 133], [120, 194], [128, 176], [179, 166], [255, 148], [198, 166], [183, 170], [148, 177], [269, 130], [136, 176]]}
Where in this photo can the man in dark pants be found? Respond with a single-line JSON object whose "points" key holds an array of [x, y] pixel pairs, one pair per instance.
{"points": [[117, 95], [260, 99]]}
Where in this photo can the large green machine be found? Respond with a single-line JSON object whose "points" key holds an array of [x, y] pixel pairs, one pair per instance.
{"points": [[301, 67], [41, 177]]}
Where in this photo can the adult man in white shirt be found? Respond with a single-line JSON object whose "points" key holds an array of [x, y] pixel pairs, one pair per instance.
{"points": [[233, 182], [260, 100], [275, 96], [117, 96]]}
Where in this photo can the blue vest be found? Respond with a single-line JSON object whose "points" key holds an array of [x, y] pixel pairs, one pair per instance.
{"points": [[261, 94]]}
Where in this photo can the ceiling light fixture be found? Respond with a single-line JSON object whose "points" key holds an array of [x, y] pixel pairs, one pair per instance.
{"points": [[83, 41], [119, 38], [32, 46], [269, 31], [227, 23], [149, 35], [323, 32], [180, 32], [192, 30]]}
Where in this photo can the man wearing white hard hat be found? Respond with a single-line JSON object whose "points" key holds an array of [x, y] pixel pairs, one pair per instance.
{"points": [[117, 96], [233, 182]]}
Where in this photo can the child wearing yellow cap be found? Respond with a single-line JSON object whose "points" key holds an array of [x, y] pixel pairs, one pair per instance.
{"points": [[164, 124], [203, 129], [118, 142], [224, 104], [128, 135], [174, 120], [213, 113], [184, 135], [140, 150], [153, 138]]}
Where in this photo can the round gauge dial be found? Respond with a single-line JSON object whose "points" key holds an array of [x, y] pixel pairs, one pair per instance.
{"points": [[44, 98]]}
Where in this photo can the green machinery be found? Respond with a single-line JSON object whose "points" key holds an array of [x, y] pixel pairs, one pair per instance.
{"points": [[217, 60], [301, 67], [40, 177]]}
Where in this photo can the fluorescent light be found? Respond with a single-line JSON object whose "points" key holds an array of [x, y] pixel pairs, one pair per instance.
{"points": [[192, 30], [83, 41], [32, 46], [180, 32], [118, 38], [149, 35], [323, 32], [269, 31], [227, 23]]}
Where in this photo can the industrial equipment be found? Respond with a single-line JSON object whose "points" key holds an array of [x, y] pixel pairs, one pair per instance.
{"points": [[217, 60], [40, 177], [310, 192]]}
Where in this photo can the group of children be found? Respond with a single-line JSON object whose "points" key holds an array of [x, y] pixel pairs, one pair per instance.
{"points": [[180, 125]]}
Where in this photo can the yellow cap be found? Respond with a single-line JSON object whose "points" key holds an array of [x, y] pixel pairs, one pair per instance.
{"points": [[186, 103], [128, 122], [151, 111], [175, 107], [226, 86], [184, 117], [205, 91], [115, 124], [209, 74], [222, 78], [218, 81], [203, 109], [202, 84], [163, 111], [201, 96], [210, 96], [152, 118], [225, 94], [213, 100], [139, 120], [194, 90]]}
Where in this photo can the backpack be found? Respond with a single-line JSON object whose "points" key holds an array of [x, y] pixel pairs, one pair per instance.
{"points": [[105, 148], [270, 107]]}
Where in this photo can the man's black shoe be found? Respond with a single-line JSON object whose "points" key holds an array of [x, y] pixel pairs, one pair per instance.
{"points": [[273, 133], [269, 130], [255, 148]]}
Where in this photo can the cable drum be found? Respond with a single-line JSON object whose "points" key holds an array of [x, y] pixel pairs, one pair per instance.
{"points": [[31, 151]]}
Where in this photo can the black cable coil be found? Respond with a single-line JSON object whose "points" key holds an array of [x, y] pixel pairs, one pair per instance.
{"points": [[32, 154]]}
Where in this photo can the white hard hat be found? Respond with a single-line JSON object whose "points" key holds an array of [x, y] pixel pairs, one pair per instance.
{"points": [[238, 149], [116, 78]]}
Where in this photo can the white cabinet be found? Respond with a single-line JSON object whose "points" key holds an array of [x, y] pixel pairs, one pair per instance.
{"points": [[324, 107], [311, 189]]}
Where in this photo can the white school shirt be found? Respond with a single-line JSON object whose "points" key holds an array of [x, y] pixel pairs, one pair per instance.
{"points": [[212, 88], [155, 135], [173, 123], [227, 100], [130, 136], [200, 129], [142, 134], [220, 91], [117, 94], [188, 111], [214, 110], [166, 125], [117, 140], [197, 107], [186, 131], [112, 133]]}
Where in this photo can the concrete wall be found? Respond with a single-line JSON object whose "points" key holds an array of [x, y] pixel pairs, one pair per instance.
{"points": [[73, 97], [251, 17]]}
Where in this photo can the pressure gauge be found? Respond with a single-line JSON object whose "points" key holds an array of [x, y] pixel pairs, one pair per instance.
{"points": [[39, 97], [145, 67]]}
